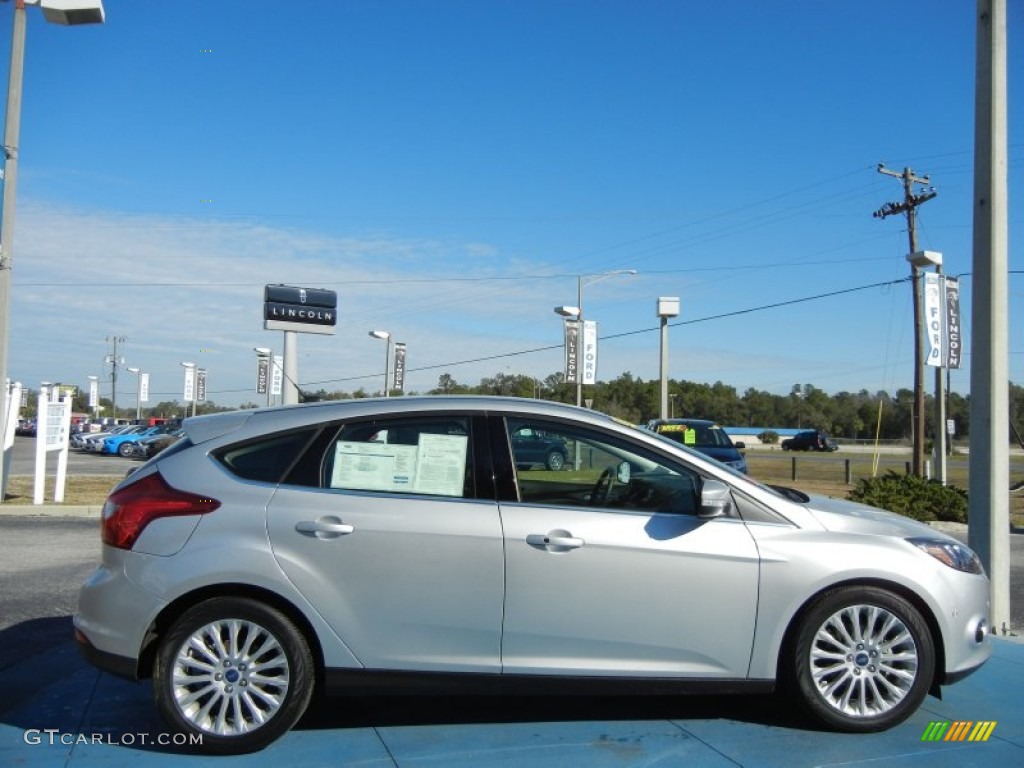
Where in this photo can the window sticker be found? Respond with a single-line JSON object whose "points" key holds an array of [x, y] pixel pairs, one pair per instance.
{"points": [[689, 433], [374, 466], [441, 464]]}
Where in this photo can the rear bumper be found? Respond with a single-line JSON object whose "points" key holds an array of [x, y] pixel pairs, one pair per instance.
{"points": [[121, 666]]}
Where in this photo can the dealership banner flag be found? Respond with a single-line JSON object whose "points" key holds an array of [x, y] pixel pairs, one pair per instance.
{"points": [[934, 318], [201, 385], [954, 333], [399, 367], [262, 374], [143, 387], [277, 375], [190, 384], [572, 340], [589, 353]]}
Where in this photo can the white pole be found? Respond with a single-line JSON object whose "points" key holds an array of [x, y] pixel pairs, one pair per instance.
{"points": [[989, 460]]}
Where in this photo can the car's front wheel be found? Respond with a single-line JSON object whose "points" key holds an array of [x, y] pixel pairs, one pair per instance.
{"points": [[233, 674], [125, 449], [863, 659]]}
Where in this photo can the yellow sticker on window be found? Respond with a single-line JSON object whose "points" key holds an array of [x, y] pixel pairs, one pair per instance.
{"points": [[690, 437]]}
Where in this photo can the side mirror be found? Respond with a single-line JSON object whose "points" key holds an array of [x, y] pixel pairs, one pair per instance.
{"points": [[715, 500], [740, 445]]}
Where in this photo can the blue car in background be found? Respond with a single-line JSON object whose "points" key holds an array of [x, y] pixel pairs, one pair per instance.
{"points": [[124, 444], [704, 436]]}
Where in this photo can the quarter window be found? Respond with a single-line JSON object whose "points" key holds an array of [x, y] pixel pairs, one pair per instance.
{"points": [[266, 459]]}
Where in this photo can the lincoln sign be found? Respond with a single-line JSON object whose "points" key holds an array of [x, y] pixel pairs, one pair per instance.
{"points": [[306, 310]]}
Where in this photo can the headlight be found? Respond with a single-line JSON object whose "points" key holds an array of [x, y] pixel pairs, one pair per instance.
{"points": [[951, 553]]}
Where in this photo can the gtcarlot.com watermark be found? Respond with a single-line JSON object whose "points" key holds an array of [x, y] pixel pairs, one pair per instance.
{"points": [[57, 737]]}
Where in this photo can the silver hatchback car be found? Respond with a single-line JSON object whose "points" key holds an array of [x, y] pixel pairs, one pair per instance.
{"points": [[354, 543]]}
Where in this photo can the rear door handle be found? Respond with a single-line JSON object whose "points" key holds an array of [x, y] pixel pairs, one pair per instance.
{"points": [[324, 528], [555, 541]]}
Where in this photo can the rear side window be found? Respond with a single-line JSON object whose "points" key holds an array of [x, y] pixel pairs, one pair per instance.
{"points": [[266, 459], [425, 455]]}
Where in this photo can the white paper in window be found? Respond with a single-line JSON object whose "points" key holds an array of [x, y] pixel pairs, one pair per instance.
{"points": [[441, 464], [374, 467]]}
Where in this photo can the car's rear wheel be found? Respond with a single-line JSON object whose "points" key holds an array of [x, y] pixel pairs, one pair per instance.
{"points": [[555, 461], [234, 672], [863, 659]]}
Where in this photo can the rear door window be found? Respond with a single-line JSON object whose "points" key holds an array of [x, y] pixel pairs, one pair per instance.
{"points": [[426, 455]]}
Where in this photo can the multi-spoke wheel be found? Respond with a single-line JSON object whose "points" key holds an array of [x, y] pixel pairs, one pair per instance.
{"points": [[555, 461], [863, 659], [234, 671]]}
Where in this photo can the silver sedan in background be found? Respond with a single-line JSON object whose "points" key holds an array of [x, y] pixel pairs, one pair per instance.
{"points": [[367, 542]]}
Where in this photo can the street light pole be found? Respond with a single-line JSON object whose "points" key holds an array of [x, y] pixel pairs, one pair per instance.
{"points": [[577, 313], [138, 392], [91, 12], [386, 337]]}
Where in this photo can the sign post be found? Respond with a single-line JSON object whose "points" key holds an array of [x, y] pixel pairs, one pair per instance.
{"points": [[53, 426]]}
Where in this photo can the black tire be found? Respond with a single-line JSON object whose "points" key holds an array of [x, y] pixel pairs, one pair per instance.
{"points": [[224, 699], [786, 445], [862, 659], [555, 461], [126, 449]]}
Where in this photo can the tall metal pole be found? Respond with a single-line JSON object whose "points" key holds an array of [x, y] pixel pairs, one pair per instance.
{"points": [[290, 390], [668, 306], [12, 130], [579, 342], [989, 500], [915, 281]]}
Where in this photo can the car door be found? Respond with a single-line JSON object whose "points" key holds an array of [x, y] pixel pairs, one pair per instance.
{"points": [[393, 549], [620, 576]]}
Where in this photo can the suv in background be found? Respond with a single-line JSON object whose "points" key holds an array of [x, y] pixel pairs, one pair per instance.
{"points": [[809, 440], [532, 448], [704, 436]]}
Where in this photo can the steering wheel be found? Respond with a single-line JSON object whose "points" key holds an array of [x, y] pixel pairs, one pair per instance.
{"points": [[603, 487]]}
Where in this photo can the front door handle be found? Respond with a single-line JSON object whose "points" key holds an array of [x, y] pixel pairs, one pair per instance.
{"points": [[324, 528], [554, 541]]}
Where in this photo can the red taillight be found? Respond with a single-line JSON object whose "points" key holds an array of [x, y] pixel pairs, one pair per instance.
{"points": [[128, 511]]}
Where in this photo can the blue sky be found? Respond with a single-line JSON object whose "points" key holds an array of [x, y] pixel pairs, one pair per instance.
{"points": [[450, 167]]}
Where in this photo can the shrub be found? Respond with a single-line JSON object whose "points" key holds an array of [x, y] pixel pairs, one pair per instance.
{"points": [[768, 437], [913, 496]]}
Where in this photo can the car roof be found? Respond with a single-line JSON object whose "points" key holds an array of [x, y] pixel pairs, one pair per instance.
{"points": [[255, 421]]}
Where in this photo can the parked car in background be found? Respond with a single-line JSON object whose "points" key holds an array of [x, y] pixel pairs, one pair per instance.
{"points": [[124, 443], [809, 440], [26, 428], [93, 441], [148, 447], [704, 436], [532, 448], [395, 542]]}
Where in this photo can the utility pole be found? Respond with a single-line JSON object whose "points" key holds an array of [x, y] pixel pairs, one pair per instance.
{"points": [[114, 361], [908, 206]]}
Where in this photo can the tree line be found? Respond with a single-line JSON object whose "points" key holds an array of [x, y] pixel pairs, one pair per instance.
{"points": [[849, 415]]}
